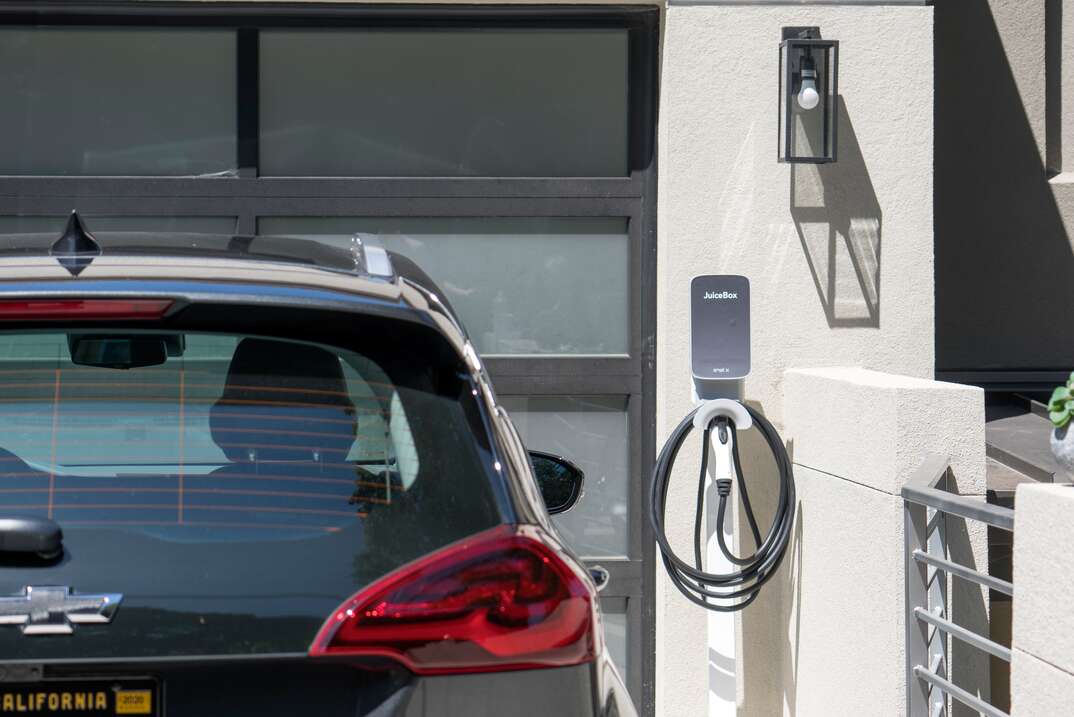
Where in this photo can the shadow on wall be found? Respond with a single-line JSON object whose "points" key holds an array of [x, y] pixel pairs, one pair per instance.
{"points": [[838, 220], [793, 595], [761, 661], [1004, 265]]}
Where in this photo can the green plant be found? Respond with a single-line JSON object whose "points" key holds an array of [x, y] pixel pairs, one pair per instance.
{"points": [[1061, 404]]}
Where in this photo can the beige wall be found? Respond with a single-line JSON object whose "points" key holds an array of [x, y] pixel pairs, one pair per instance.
{"points": [[843, 594], [1042, 665], [843, 276]]}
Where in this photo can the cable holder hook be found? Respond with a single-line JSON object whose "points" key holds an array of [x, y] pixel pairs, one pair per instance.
{"points": [[731, 409]]}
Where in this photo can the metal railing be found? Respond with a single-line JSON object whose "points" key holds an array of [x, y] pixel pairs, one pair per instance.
{"points": [[927, 504]]}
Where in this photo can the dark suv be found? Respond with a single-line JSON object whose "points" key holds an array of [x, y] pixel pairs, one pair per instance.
{"points": [[269, 476]]}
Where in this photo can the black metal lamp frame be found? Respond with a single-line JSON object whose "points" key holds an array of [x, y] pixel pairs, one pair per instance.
{"points": [[798, 43]]}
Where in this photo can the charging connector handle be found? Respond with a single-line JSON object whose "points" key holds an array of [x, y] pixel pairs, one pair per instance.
{"points": [[723, 592]]}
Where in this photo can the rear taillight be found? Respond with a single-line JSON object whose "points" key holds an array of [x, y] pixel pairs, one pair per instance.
{"points": [[82, 309], [501, 600]]}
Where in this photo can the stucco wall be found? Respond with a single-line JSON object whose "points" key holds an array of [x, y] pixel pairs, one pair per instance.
{"points": [[841, 274], [859, 437], [1042, 643]]}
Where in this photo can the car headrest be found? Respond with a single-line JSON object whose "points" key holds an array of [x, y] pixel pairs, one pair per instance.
{"points": [[283, 401]]}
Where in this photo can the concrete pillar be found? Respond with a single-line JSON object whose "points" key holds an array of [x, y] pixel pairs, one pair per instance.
{"points": [[1042, 645], [856, 437]]}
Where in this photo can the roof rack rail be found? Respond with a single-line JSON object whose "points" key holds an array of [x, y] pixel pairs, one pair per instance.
{"points": [[76, 248]]}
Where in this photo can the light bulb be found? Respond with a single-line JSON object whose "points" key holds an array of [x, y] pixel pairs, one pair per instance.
{"points": [[808, 97]]}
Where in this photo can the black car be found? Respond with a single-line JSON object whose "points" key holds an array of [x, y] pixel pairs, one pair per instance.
{"points": [[266, 476]]}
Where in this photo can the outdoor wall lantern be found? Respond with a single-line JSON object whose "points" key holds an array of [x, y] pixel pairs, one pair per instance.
{"points": [[808, 96]]}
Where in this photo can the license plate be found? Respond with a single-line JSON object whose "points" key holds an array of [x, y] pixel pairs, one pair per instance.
{"points": [[82, 698]]}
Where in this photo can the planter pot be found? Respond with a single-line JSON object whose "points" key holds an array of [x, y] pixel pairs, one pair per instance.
{"points": [[1063, 446]]}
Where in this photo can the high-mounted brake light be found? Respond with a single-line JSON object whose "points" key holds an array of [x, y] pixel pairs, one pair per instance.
{"points": [[502, 600], [82, 309]]}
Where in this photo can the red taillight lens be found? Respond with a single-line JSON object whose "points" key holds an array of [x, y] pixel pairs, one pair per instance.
{"points": [[82, 309], [501, 600]]}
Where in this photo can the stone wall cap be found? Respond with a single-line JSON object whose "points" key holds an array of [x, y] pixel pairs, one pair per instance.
{"points": [[878, 379]]}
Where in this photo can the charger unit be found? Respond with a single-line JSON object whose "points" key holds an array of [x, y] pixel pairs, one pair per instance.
{"points": [[719, 332]]}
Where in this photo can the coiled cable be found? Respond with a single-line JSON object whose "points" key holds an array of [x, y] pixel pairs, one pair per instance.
{"points": [[723, 592]]}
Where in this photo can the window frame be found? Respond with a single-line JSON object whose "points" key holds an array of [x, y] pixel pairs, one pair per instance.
{"points": [[247, 197]]}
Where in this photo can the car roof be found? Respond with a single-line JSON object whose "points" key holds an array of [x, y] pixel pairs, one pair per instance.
{"points": [[359, 264], [292, 250], [348, 257]]}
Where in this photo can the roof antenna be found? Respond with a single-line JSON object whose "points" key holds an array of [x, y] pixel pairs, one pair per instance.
{"points": [[76, 247]]}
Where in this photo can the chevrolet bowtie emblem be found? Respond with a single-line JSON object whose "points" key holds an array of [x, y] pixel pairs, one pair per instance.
{"points": [[53, 610]]}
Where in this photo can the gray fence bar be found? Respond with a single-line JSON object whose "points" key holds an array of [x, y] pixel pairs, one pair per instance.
{"points": [[954, 504], [963, 572], [928, 566], [916, 585], [961, 633], [958, 693]]}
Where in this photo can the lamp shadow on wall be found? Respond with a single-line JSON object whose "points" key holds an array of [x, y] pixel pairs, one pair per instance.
{"points": [[838, 220]]}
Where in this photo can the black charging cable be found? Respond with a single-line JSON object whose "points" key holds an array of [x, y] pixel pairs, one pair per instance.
{"points": [[723, 592]]}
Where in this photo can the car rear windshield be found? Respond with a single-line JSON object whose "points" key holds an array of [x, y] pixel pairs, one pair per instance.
{"points": [[230, 438]]}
